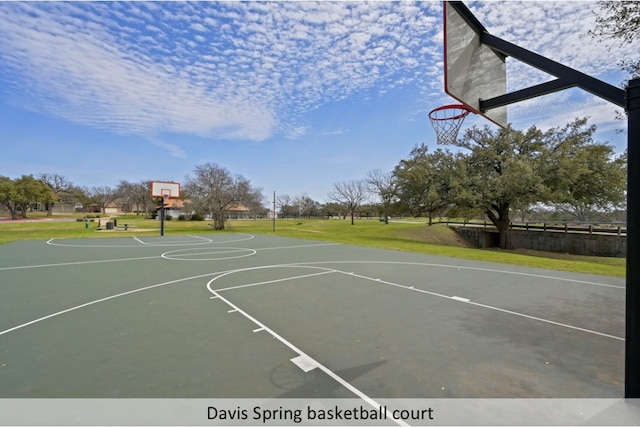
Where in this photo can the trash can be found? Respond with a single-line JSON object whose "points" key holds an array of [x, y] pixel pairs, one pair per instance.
{"points": [[110, 225]]}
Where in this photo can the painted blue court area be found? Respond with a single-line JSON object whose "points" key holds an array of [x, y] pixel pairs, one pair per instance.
{"points": [[243, 316]]}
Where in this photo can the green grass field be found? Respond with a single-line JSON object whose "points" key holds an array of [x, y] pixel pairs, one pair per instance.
{"points": [[401, 236]]}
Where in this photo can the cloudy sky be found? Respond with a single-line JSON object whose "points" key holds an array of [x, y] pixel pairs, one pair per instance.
{"points": [[293, 95]]}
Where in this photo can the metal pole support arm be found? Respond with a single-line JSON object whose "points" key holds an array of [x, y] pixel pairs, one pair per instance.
{"points": [[568, 75]]}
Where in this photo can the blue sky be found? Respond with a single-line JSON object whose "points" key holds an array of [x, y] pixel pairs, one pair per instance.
{"points": [[294, 96]]}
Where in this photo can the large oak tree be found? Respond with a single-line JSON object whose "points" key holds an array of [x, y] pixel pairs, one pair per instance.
{"points": [[502, 169], [507, 168]]}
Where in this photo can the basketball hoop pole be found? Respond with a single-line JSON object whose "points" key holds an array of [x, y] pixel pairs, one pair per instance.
{"points": [[629, 99], [162, 203], [632, 323]]}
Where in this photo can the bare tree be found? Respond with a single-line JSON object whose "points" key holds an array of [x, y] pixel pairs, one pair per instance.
{"points": [[350, 193], [285, 204], [103, 196], [61, 187], [214, 190], [304, 205], [385, 186], [136, 195]]}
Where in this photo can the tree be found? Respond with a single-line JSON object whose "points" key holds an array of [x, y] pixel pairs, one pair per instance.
{"points": [[583, 176], [429, 183], [21, 193], [305, 205], [214, 190], [8, 194], [285, 203], [350, 193], [80, 195], [502, 169], [60, 186], [509, 169], [385, 186], [332, 209], [620, 20], [103, 196], [136, 194]]}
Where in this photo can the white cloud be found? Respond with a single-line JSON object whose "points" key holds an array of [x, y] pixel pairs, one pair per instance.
{"points": [[172, 149], [340, 131], [244, 70], [216, 69]]}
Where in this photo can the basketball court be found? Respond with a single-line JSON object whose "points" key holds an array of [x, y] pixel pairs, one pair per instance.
{"points": [[244, 316], [237, 316]]}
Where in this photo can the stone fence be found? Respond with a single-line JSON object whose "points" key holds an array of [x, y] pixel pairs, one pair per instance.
{"points": [[593, 244]]}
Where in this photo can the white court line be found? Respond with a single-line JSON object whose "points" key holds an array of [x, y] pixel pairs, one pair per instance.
{"points": [[299, 246], [208, 251], [77, 307], [51, 242], [168, 243], [196, 241], [248, 285], [202, 238], [304, 363], [65, 264], [459, 267], [515, 313], [213, 253], [410, 288], [546, 321], [308, 359]]}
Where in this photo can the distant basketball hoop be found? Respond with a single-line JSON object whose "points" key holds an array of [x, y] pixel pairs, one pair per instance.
{"points": [[447, 120], [166, 191], [166, 195]]}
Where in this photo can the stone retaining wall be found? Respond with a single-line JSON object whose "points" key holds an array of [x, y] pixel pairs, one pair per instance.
{"points": [[609, 245]]}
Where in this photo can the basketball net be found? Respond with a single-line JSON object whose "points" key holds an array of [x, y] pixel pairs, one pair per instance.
{"points": [[166, 194], [446, 121]]}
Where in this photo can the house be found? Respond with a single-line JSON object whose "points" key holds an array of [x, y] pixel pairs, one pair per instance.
{"points": [[62, 208], [238, 211], [175, 208]]}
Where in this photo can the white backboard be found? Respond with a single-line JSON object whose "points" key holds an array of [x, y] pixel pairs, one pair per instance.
{"points": [[472, 71], [162, 188]]}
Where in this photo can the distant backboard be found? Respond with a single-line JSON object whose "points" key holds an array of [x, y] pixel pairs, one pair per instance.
{"points": [[472, 71], [165, 189]]}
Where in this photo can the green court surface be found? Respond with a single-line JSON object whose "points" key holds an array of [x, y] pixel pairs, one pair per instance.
{"points": [[243, 316]]}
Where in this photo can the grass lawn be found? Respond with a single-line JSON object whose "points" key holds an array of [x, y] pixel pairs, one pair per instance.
{"points": [[402, 236]]}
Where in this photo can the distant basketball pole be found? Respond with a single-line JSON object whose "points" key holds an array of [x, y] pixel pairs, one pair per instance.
{"points": [[464, 89], [162, 215], [165, 191]]}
